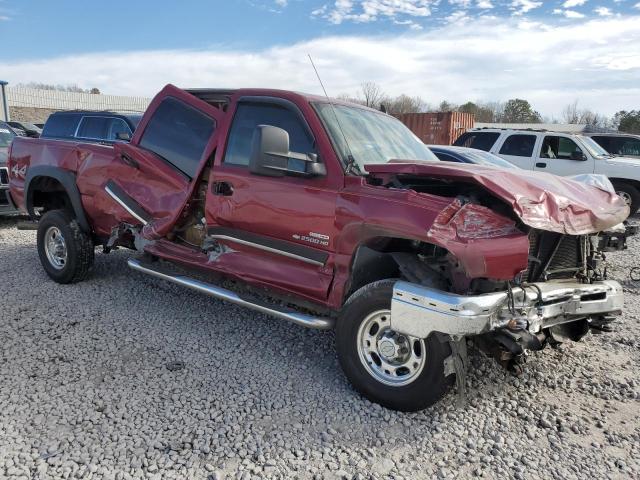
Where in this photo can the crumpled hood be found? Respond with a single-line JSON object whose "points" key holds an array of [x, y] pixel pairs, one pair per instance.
{"points": [[541, 200]]}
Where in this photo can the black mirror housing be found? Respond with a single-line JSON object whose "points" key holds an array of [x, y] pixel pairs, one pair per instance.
{"points": [[269, 151], [577, 155], [270, 155]]}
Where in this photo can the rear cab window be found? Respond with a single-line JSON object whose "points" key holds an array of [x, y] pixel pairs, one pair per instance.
{"points": [[480, 140], [178, 133], [518, 145], [61, 125]]}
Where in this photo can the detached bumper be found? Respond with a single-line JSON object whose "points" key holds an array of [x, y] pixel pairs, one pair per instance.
{"points": [[418, 311]]}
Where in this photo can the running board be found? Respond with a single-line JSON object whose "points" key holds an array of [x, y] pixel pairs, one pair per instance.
{"points": [[229, 296]]}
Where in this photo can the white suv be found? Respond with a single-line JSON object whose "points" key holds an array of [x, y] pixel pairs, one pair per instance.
{"points": [[564, 154]]}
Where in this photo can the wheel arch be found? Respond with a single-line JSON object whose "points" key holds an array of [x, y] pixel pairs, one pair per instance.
{"points": [[381, 258], [45, 182], [629, 181]]}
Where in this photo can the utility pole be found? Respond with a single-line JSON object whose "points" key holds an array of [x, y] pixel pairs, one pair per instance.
{"points": [[3, 94]]}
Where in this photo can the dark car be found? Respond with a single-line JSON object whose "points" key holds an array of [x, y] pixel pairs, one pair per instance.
{"points": [[29, 129], [88, 126], [6, 137], [469, 155], [620, 144]]}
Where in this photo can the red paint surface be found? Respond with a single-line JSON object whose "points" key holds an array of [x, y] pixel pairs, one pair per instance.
{"points": [[347, 209]]}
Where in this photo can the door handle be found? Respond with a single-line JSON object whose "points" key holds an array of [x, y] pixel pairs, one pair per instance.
{"points": [[129, 161], [222, 188], [541, 165]]}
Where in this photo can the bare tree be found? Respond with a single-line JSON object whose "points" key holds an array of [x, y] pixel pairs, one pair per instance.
{"points": [[571, 113], [575, 115], [372, 94]]}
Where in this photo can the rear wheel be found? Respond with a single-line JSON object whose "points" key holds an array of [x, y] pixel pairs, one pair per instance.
{"points": [[395, 370], [65, 251], [629, 194]]}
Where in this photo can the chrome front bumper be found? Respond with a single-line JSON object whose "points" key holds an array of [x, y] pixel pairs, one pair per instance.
{"points": [[418, 311]]}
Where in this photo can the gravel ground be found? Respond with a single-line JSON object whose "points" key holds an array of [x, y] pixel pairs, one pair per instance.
{"points": [[123, 376]]}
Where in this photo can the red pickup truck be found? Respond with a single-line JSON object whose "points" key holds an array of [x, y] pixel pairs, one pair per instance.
{"points": [[329, 214]]}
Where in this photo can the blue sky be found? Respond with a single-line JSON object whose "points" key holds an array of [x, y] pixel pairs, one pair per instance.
{"points": [[433, 48]]}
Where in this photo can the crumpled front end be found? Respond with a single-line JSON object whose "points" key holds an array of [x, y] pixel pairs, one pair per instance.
{"points": [[419, 311]]}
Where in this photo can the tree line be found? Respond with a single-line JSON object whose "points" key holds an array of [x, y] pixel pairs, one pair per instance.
{"points": [[516, 110]]}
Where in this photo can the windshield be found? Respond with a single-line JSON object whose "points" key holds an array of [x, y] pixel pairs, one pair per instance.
{"points": [[371, 137], [486, 158], [6, 136], [593, 147]]}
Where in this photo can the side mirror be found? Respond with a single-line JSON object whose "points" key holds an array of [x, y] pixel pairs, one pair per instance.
{"points": [[578, 155], [270, 155], [123, 136]]}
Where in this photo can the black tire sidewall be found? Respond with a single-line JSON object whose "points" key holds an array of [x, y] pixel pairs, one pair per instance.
{"points": [[424, 391], [62, 220]]}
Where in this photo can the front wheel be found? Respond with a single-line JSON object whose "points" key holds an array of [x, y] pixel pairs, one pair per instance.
{"points": [[395, 370], [65, 251]]}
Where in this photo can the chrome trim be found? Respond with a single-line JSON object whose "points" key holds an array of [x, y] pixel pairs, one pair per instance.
{"points": [[267, 249], [124, 205], [418, 311], [229, 296]]}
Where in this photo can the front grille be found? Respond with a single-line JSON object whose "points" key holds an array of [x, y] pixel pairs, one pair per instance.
{"points": [[553, 255], [4, 176]]}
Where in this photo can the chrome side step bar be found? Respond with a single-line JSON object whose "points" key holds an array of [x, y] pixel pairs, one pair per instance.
{"points": [[229, 296]]}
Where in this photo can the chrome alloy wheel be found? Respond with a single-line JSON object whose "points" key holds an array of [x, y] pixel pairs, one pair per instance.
{"points": [[390, 357], [55, 247], [625, 196]]}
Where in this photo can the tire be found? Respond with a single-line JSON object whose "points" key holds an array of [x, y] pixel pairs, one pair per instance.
{"points": [[65, 251], [413, 390], [630, 194]]}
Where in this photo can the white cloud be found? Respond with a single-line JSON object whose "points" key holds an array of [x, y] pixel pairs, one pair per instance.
{"points": [[596, 61], [568, 13], [520, 7], [364, 11], [282, 3], [458, 17], [603, 11], [485, 4], [573, 3], [637, 5]]}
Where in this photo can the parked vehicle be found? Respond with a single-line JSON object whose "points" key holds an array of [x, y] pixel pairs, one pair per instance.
{"points": [[560, 153], [302, 199], [6, 137], [88, 126], [469, 155], [29, 129], [620, 144], [39, 125]]}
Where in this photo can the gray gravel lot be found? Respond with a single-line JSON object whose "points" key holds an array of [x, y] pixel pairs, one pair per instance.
{"points": [[86, 392]]}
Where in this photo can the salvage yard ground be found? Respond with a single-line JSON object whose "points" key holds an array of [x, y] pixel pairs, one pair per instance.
{"points": [[124, 376]]}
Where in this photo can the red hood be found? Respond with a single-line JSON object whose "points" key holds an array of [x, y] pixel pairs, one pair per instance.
{"points": [[541, 200]]}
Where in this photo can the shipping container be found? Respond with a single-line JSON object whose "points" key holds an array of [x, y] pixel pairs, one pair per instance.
{"points": [[439, 128]]}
